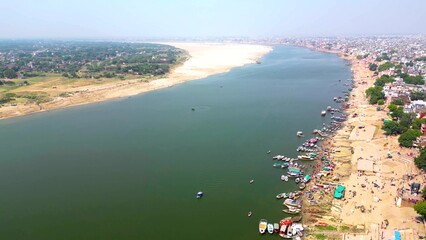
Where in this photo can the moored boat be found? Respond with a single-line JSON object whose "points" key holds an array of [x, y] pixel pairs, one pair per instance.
{"points": [[292, 210], [284, 178], [299, 134], [282, 195], [262, 226], [276, 227], [323, 113], [270, 228], [302, 186]]}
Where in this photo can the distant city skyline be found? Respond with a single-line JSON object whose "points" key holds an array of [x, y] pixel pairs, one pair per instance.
{"points": [[209, 18]]}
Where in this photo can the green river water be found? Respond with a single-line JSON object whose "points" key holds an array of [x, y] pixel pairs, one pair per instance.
{"points": [[131, 168]]}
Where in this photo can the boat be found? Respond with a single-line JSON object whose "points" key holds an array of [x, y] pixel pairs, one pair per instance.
{"points": [[284, 178], [249, 214], [277, 165], [323, 113], [262, 226], [297, 180], [302, 186], [200, 195], [292, 203], [299, 134], [283, 230], [251, 181], [282, 195], [307, 178], [270, 227], [268, 152], [276, 227], [296, 218], [329, 108], [292, 210], [305, 157]]}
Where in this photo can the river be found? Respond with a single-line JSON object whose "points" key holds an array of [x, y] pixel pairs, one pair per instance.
{"points": [[130, 168]]}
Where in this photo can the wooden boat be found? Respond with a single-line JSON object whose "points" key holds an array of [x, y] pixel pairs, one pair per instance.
{"points": [[292, 210], [277, 165], [270, 228], [282, 195], [276, 227], [302, 186], [323, 113], [262, 226], [292, 203], [296, 218]]}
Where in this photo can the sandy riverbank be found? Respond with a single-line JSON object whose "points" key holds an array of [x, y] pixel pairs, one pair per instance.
{"points": [[205, 59], [362, 139]]}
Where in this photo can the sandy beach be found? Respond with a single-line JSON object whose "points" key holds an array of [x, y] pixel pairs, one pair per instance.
{"points": [[205, 59], [369, 209]]}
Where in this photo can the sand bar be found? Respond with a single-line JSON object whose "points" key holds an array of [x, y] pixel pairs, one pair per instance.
{"points": [[205, 59]]}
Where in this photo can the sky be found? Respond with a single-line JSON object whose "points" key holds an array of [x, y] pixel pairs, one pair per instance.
{"points": [[208, 18]]}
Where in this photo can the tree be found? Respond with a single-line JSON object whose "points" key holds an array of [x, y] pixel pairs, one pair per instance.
{"points": [[407, 119], [392, 128], [406, 139], [398, 101], [383, 80], [420, 160], [417, 80], [424, 192], [417, 123], [9, 73], [381, 102], [397, 113], [420, 208], [385, 66], [417, 95], [372, 67], [375, 94]]}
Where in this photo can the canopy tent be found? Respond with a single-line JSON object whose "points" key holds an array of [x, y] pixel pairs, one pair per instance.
{"points": [[339, 192]]}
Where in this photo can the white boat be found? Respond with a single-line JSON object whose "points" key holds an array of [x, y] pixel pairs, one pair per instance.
{"points": [[200, 195], [249, 214], [276, 227], [270, 228], [299, 134], [284, 178], [251, 181], [323, 113], [262, 226]]}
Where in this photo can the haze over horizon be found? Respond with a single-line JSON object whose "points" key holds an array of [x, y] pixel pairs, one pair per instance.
{"points": [[210, 18]]}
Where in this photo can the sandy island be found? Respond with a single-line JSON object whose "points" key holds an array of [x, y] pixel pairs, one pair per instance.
{"points": [[205, 59]]}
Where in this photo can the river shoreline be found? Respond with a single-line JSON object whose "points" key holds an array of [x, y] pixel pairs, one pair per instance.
{"points": [[369, 195], [206, 59]]}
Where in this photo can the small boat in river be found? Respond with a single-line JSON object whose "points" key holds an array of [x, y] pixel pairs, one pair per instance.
{"points": [[270, 227], [276, 227], [292, 210], [251, 181], [284, 178], [323, 113], [282, 195], [249, 214], [262, 226], [299, 134], [200, 195]]}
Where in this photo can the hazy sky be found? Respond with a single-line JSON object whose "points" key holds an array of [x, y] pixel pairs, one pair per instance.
{"points": [[208, 18]]}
